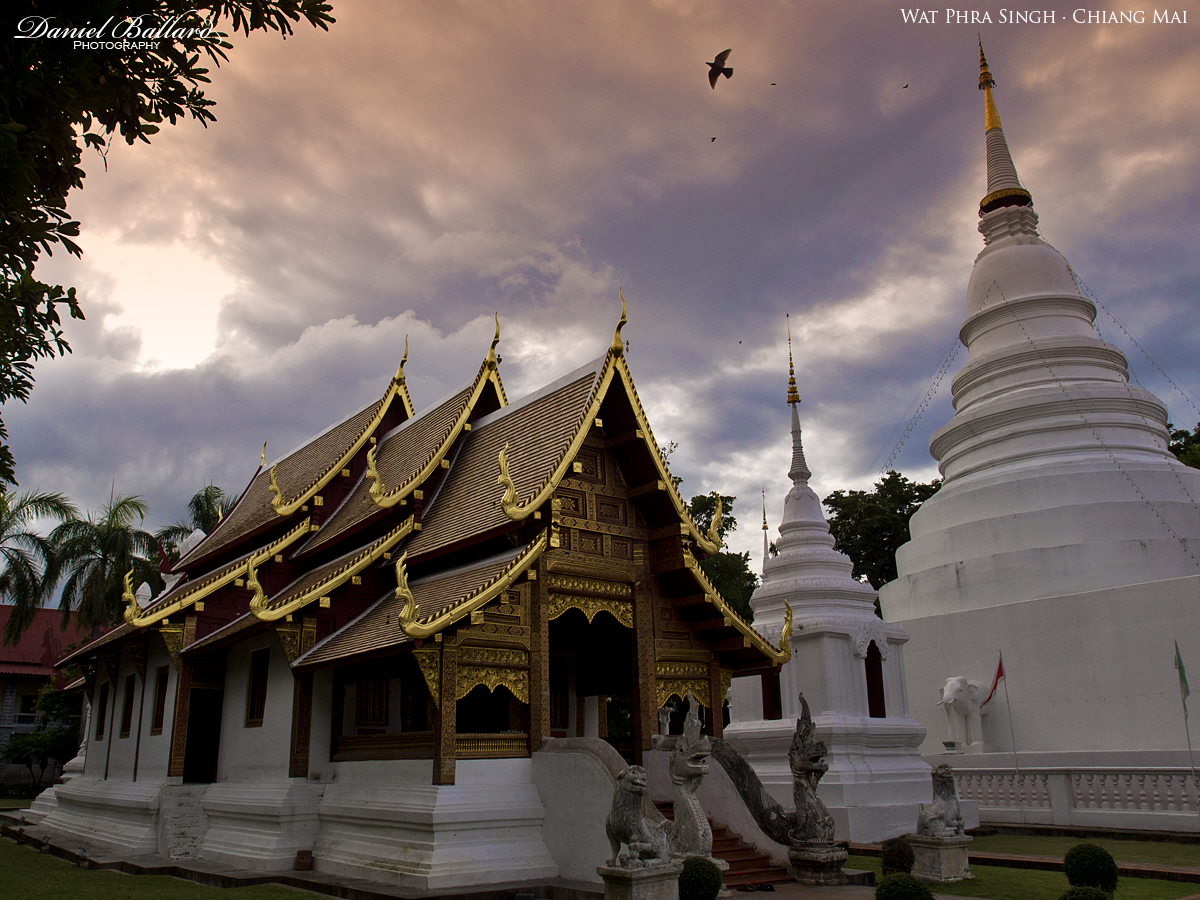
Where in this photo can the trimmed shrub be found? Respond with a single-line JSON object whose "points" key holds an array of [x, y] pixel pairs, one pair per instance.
{"points": [[898, 855], [1084, 893], [700, 879], [1090, 865], [902, 887]]}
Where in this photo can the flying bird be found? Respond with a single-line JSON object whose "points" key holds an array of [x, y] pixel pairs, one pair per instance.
{"points": [[904, 87], [712, 140], [717, 68]]}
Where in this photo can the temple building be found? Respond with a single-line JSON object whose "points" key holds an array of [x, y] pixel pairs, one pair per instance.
{"points": [[848, 663], [1064, 536], [363, 659]]}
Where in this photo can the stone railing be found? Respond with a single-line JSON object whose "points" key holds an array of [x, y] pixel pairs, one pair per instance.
{"points": [[1083, 796]]}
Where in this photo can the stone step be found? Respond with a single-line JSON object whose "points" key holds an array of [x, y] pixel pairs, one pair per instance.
{"points": [[747, 864]]}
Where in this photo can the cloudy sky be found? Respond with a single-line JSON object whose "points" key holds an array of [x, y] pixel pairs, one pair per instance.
{"points": [[425, 164]]}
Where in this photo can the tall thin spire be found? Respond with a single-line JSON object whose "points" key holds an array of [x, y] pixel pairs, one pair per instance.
{"points": [[793, 394], [766, 542], [1004, 188]]}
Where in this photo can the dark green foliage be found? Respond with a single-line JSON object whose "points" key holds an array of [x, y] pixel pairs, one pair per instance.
{"points": [[901, 887], [28, 563], [700, 880], [898, 854], [1090, 865], [1084, 893], [868, 526], [205, 510], [729, 572], [1185, 445], [56, 736], [55, 100]]}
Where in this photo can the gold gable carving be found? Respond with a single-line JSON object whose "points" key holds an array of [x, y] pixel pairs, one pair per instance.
{"points": [[429, 662], [470, 677], [621, 610]]}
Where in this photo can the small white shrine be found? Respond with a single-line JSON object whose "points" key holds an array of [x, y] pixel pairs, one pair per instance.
{"points": [[848, 663]]}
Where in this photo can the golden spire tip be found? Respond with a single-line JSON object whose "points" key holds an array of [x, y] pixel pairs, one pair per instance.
{"points": [[491, 357], [793, 394], [618, 347], [264, 452]]}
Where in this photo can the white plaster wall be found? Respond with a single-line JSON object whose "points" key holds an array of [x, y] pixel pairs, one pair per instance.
{"points": [[115, 814], [577, 791], [260, 826], [93, 763], [258, 754], [155, 752], [1085, 672], [120, 760]]}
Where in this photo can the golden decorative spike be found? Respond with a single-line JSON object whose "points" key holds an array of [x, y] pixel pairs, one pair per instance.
{"points": [[986, 83], [510, 499], [131, 604], [376, 490], [273, 487], [408, 614], [618, 346], [793, 394], [491, 361], [785, 636], [259, 601], [764, 493], [264, 453], [713, 533]]}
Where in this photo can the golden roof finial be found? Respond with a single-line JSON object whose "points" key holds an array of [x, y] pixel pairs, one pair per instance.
{"points": [[764, 493], [399, 379], [491, 357], [618, 347], [793, 394], [264, 452], [986, 83]]}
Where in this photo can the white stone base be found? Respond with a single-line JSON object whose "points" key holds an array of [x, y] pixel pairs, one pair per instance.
{"points": [[260, 826], [384, 821], [941, 860], [875, 780], [119, 815], [651, 883]]}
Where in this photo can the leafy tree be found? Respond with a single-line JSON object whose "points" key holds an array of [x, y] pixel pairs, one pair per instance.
{"points": [[55, 737], [96, 553], [1185, 445], [869, 526], [206, 508], [55, 100], [729, 572], [28, 564]]}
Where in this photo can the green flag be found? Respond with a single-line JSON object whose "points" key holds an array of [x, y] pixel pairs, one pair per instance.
{"points": [[1184, 691]]}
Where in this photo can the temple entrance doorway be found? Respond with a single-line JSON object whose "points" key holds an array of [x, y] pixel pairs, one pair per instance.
{"points": [[591, 679], [203, 747]]}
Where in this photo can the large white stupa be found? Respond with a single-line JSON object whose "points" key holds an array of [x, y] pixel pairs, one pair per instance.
{"points": [[848, 663], [1065, 535]]}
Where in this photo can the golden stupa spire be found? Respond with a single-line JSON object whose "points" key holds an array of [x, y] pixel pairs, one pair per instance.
{"points": [[793, 394], [991, 118]]}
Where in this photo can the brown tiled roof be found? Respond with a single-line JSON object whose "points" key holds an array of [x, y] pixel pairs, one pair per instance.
{"points": [[294, 474], [538, 431], [331, 575], [190, 591], [44, 641], [400, 456], [378, 628], [91, 647]]}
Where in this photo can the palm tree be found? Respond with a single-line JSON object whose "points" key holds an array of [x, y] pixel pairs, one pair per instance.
{"points": [[28, 565], [96, 553], [206, 508]]}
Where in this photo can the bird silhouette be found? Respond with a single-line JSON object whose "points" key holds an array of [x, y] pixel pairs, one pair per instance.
{"points": [[717, 68], [712, 140], [904, 87]]}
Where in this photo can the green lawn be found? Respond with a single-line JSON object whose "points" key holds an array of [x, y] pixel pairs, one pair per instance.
{"points": [[26, 874], [1000, 883], [6, 803], [1125, 851]]}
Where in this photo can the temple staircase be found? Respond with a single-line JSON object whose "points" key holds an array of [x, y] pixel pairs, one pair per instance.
{"points": [[747, 864]]}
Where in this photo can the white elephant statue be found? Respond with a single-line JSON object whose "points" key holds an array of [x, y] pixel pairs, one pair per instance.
{"points": [[963, 702]]}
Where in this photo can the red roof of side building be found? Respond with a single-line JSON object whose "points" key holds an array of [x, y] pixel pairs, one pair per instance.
{"points": [[39, 648]]}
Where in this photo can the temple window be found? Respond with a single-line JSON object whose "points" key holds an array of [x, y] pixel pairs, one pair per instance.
{"points": [[256, 691], [160, 699], [102, 711], [127, 706], [876, 708], [772, 696], [372, 705], [381, 710]]}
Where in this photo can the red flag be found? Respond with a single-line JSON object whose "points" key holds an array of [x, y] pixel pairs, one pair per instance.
{"points": [[995, 681]]}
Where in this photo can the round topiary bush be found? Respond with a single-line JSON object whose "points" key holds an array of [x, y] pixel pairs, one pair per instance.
{"points": [[1084, 893], [898, 855], [901, 887], [1090, 865], [700, 879]]}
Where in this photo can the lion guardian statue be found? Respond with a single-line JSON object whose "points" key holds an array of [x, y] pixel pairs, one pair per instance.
{"points": [[942, 817], [626, 824]]}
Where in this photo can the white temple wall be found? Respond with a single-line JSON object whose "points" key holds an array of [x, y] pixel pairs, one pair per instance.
{"points": [[93, 763], [155, 754], [120, 749], [259, 753], [1094, 674]]}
